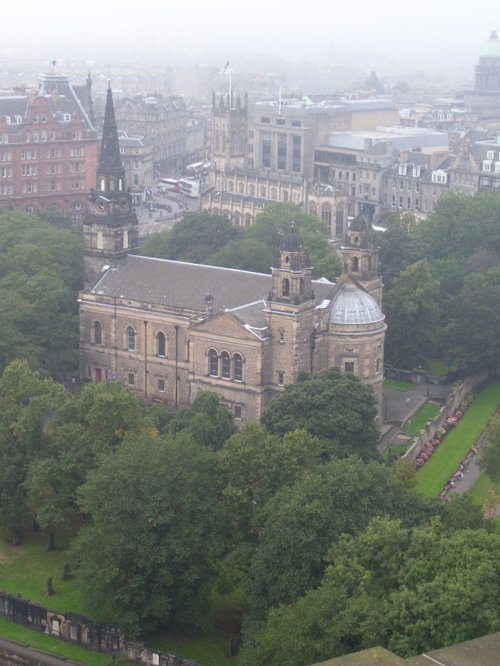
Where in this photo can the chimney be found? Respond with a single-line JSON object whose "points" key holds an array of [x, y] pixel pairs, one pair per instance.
{"points": [[209, 304]]}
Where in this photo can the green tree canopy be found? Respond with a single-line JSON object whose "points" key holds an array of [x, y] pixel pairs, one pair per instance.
{"points": [[146, 556], [332, 406], [410, 590], [412, 311], [40, 272], [193, 239], [300, 523]]}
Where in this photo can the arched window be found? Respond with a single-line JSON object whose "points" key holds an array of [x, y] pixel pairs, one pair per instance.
{"points": [[213, 363], [241, 187], [326, 214], [301, 286], [339, 222], [99, 241], [284, 195], [236, 219], [161, 344], [248, 219], [229, 185], [103, 184], [285, 287], [251, 190], [125, 239], [263, 191], [273, 193], [312, 208], [355, 264], [238, 368], [225, 365], [130, 336], [97, 333]]}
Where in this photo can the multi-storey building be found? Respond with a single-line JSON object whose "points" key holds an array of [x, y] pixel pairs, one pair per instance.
{"points": [[137, 160], [264, 152], [175, 134], [48, 148], [169, 329], [486, 92]]}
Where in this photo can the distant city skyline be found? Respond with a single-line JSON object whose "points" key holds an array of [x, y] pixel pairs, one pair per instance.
{"points": [[424, 35]]}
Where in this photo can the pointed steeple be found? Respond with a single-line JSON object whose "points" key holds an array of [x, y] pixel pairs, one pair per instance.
{"points": [[110, 171]]}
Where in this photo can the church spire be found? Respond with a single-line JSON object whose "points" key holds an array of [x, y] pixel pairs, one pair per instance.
{"points": [[110, 170]]}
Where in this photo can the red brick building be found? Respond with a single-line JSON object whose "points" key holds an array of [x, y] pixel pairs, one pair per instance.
{"points": [[48, 147]]}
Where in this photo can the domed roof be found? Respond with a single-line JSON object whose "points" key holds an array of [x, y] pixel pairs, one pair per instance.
{"points": [[352, 305], [360, 223], [491, 48], [292, 242]]}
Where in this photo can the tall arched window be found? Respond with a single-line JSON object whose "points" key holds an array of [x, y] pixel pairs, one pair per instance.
{"points": [[326, 214], [274, 193], [241, 187], [312, 208], [236, 219], [284, 195], [263, 191], [225, 365], [161, 344], [285, 287], [238, 368], [125, 239], [99, 241], [213, 363], [97, 333], [355, 264], [130, 335], [251, 190]]}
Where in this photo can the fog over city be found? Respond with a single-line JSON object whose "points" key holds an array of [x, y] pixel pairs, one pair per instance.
{"points": [[389, 35]]}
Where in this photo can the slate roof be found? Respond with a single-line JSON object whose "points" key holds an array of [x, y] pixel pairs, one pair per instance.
{"points": [[11, 107], [184, 285]]}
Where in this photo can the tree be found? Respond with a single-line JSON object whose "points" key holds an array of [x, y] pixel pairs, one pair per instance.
{"points": [[299, 524], [40, 273], [206, 420], [193, 239], [408, 589], [146, 556], [332, 406], [254, 465], [489, 456], [28, 405], [412, 316]]}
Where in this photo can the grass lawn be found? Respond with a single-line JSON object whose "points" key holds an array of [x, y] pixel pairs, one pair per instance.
{"points": [[437, 367], [437, 470], [427, 412], [398, 385], [206, 650], [24, 570], [35, 639], [480, 488]]}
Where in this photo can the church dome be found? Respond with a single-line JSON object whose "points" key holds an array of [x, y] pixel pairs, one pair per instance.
{"points": [[352, 305], [291, 242], [491, 48]]}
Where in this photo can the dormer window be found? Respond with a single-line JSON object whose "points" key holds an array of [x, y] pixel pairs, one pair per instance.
{"points": [[402, 169], [490, 155], [486, 165]]}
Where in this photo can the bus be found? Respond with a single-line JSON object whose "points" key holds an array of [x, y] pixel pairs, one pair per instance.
{"points": [[168, 185], [195, 169], [189, 187]]}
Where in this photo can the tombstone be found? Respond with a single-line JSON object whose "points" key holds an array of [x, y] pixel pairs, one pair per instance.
{"points": [[66, 572], [50, 588]]}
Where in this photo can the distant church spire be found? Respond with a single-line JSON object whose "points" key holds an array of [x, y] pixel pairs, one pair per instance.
{"points": [[110, 161]]}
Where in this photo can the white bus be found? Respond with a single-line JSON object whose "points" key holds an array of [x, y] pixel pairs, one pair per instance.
{"points": [[191, 188], [195, 169], [168, 185]]}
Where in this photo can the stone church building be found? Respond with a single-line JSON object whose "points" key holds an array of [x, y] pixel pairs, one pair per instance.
{"points": [[169, 329]]}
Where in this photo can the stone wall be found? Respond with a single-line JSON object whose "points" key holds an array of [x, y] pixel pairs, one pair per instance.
{"points": [[472, 384], [79, 630]]}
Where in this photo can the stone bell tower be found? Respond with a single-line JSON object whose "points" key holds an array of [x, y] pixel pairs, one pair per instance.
{"points": [[110, 230], [290, 314], [360, 256]]}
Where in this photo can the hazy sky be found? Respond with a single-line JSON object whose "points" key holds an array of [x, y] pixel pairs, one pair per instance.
{"points": [[151, 30]]}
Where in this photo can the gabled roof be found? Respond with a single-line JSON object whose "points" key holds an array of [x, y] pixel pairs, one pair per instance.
{"points": [[183, 285]]}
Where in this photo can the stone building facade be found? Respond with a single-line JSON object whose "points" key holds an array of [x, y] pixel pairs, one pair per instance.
{"points": [[169, 329], [48, 148]]}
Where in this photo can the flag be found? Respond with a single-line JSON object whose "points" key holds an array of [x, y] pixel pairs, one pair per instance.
{"points": [[53, 62], [226, 66]]}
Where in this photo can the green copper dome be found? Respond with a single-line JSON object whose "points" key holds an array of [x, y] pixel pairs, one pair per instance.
{"points": [[492, 47]]}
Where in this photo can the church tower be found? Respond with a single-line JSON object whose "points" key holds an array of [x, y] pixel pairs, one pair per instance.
{"points": [[229, 133], [360, 256], [110, 230], [290, 314]]}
